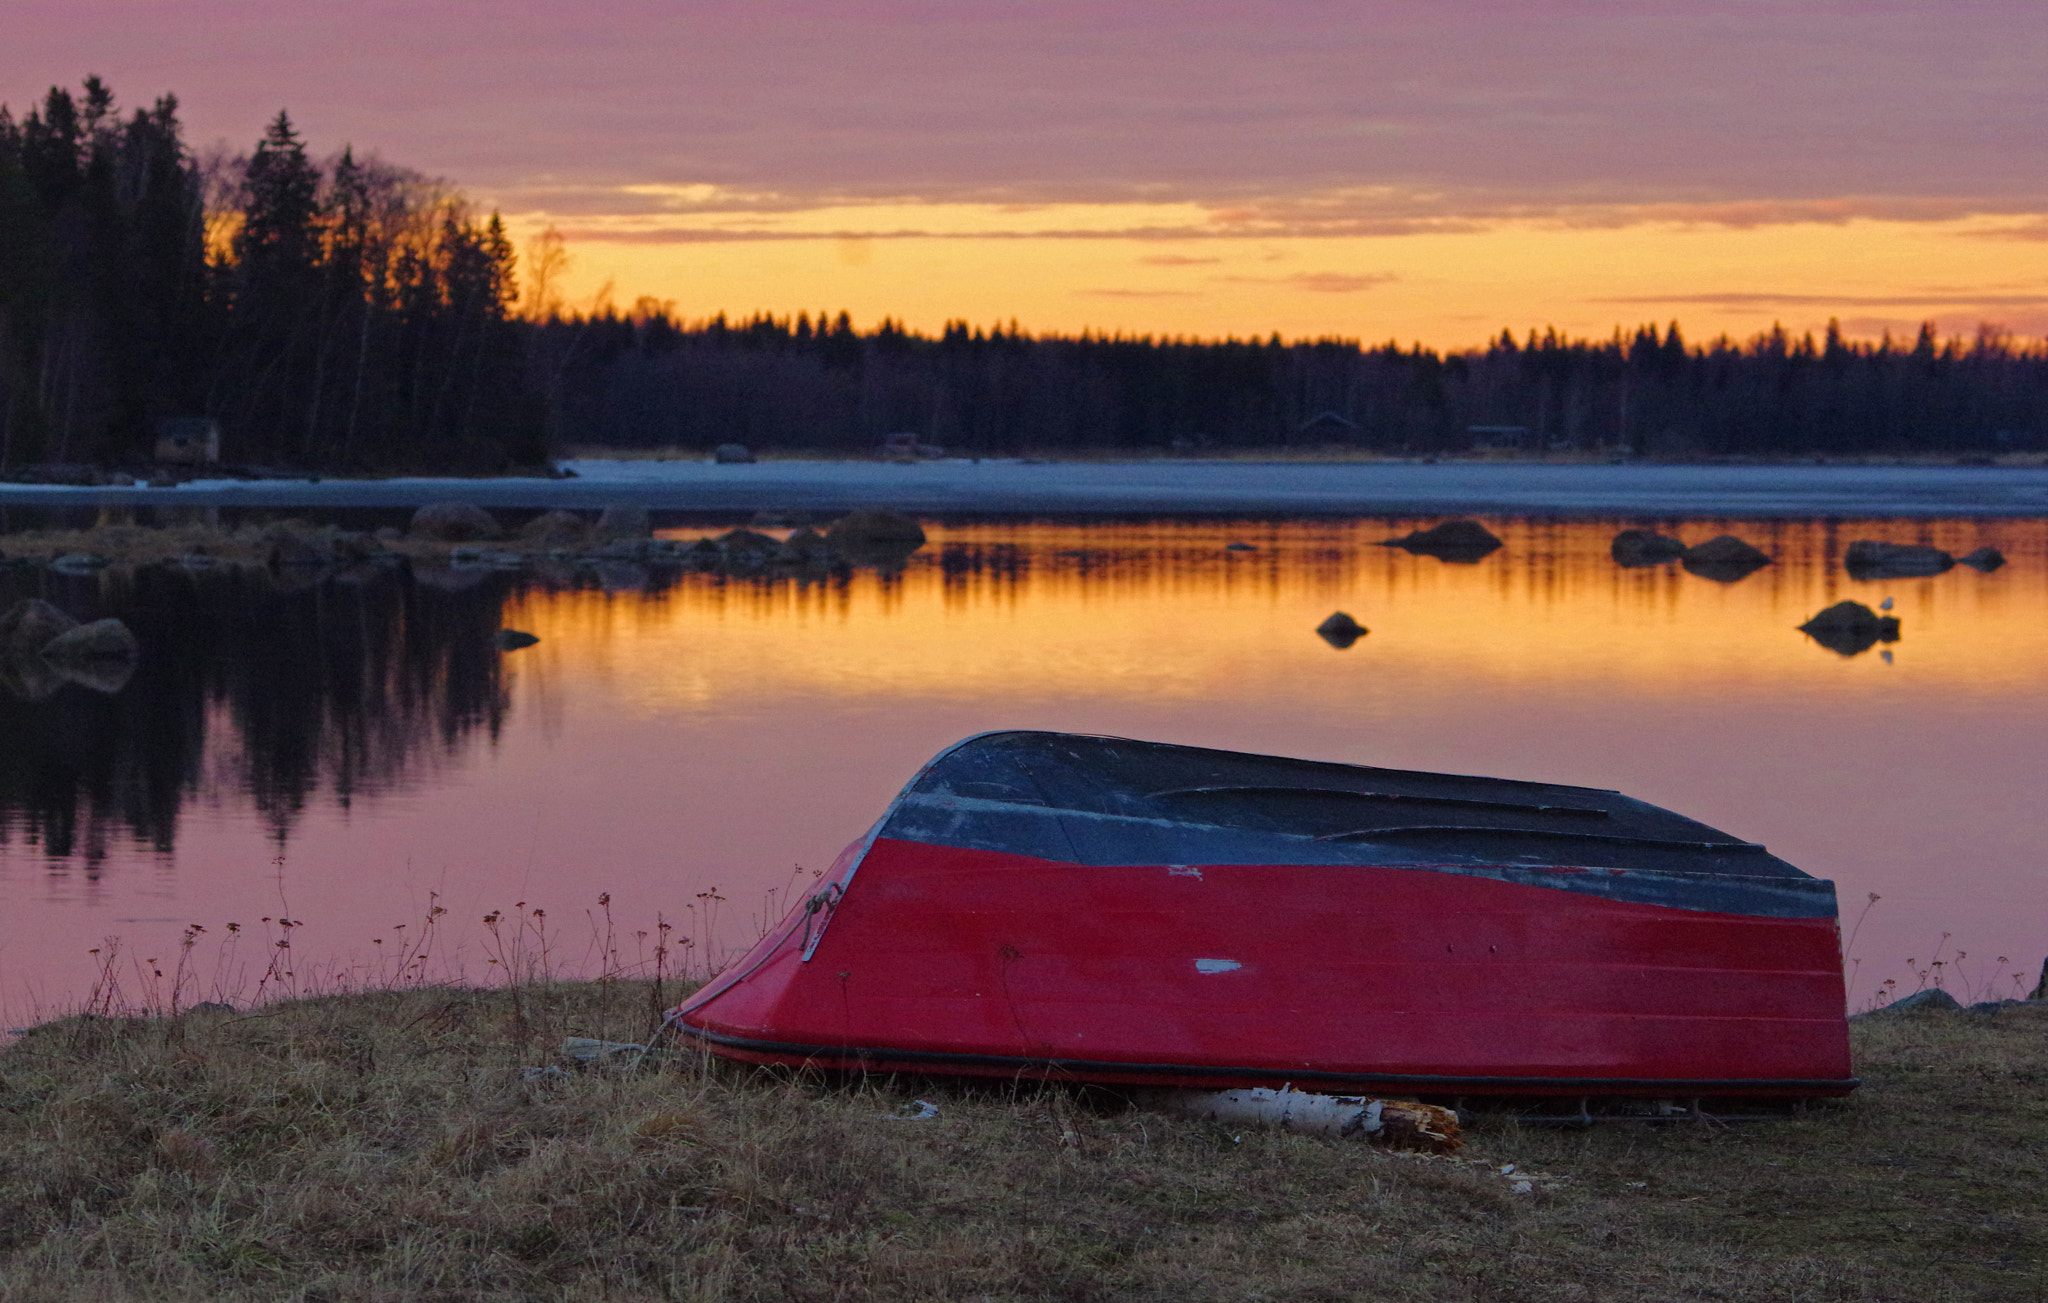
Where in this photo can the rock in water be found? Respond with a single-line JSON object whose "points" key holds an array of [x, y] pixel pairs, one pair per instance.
{"points": [[1723, 560], [625, 520], [733, 454], [514, 639], [28, 626], [100, 640], [1340, 630], [454, 522], [1459, 541], [875, 537], [1851, 628], [1644, 547], [1986, 559], [1871, 559], [555, 527]]}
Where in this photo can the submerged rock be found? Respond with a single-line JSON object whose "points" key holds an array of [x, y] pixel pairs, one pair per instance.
{"points": [[1456, 541], [1340, 630], [1633, 548], [28, 626], [1871, 559], [1724, 559], [1851, 628], [454, 522], [1986, 559]]}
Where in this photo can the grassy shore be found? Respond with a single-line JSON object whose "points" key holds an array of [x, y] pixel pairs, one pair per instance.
{"points": [[392, 1146]]}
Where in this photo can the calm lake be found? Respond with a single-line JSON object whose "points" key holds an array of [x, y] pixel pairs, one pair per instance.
{"points": [[351, 755]]}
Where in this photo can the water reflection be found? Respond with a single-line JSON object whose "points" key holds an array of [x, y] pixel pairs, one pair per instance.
{"points": [[251, 688], [350, 746]]}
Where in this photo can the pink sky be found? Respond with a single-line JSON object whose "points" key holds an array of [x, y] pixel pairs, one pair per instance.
{"points": [[1427, 169]]}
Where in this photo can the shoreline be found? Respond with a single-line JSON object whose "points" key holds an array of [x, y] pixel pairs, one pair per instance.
{"points": [[1158, 488]]}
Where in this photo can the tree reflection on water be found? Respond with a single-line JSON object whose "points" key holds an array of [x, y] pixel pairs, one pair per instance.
{"points": [[247, 684]]}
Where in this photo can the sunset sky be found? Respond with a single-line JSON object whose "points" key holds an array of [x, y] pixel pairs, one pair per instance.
{"points": [[1427, 171]]}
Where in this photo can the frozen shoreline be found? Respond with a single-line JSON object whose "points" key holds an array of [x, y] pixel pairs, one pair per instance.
{"points": [[1156, 488]]}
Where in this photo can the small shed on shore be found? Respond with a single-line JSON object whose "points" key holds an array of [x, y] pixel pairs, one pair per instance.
{"points": [[188, 440]]}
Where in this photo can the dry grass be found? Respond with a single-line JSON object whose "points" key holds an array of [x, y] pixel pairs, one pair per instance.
{"points": [[388, 1146]]}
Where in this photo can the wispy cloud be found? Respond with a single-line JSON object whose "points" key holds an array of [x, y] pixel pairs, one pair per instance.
{"points": [[1321, 282], [1748, 300], [1139, 294], [1176, 260]]}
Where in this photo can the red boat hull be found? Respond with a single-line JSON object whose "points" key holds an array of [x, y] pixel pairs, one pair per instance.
{"points": [[1420, 979]]}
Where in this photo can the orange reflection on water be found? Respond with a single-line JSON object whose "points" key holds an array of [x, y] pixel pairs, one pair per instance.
{"points": [[726, 737], [1907, 770]]}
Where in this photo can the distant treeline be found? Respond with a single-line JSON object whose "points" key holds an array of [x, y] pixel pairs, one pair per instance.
{"points": [[352, 315], [645, 380]]}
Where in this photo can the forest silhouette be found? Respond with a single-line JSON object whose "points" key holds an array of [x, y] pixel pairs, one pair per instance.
{"points": [[353, 316]]}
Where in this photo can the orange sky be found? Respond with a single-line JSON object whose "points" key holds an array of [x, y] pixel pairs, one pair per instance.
{"points": [[1445, 289], [1425, 170]]}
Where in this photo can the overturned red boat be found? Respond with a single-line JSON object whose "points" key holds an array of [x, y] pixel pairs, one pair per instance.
{"points": [[1054, 905]]}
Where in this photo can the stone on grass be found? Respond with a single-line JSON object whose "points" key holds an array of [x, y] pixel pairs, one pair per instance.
{"points": [[454, 522], [1931, 1000]]}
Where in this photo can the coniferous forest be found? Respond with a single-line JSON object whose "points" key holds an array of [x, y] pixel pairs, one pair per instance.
{"points": [[347, 316], [642, 380], [351, 315]]}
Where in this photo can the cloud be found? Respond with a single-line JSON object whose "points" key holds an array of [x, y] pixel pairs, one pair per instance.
{"points": [[1740, 300], [1176, 260], [1321, 282], [1139, 294], [1576, 111]]}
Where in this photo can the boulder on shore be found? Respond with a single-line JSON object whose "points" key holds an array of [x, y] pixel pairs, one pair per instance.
{"points": [[454, 522], [625, 520], [1931, 1000], [1457, 541], [514, 639], [1633, 548], [733, 454], [555, 527], [1851, 628], [1986, 559], [1340, 630], [1869, 558], [1724, 559], [100, 640], [29, 625]]}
